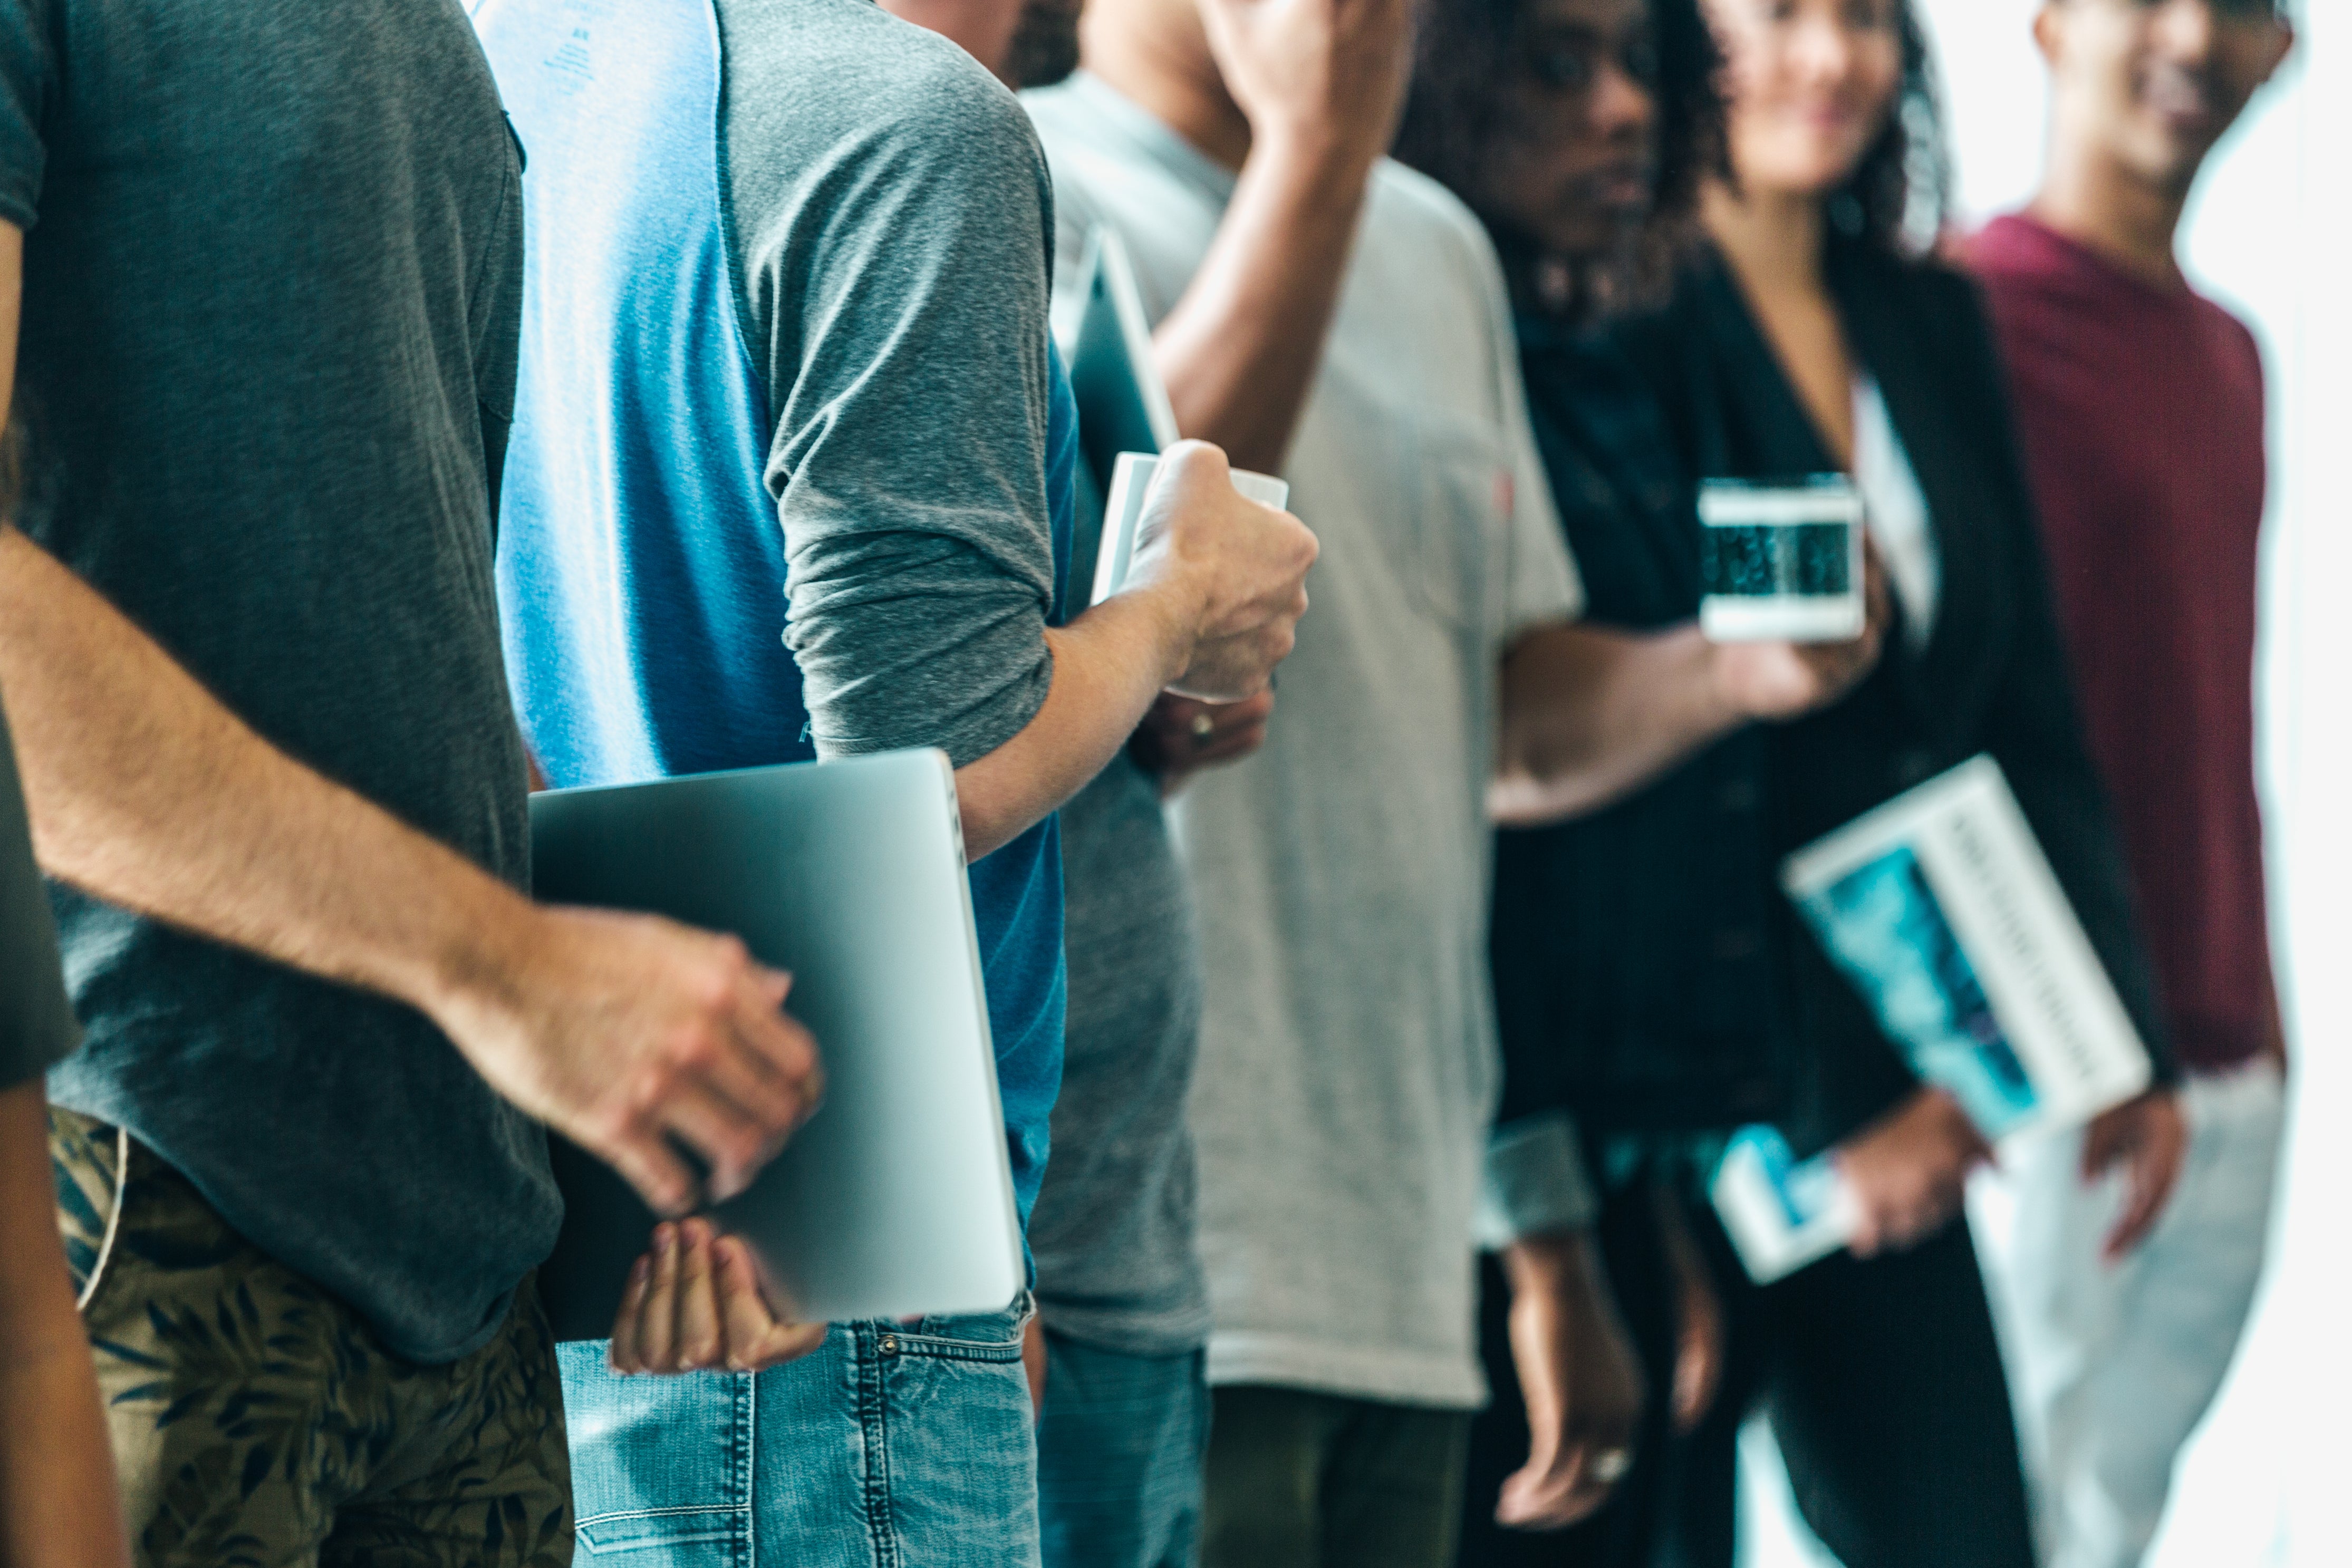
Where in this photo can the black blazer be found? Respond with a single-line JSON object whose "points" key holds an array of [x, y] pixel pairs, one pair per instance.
{"points": [[1993, 676], [1638, 979]]}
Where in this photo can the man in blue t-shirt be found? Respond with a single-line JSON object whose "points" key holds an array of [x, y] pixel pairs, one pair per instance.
{"points": [[778, 489]]}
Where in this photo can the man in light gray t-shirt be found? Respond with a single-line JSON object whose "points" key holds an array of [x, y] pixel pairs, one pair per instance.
{"points": [[1341, 873], [1113, 1230]]}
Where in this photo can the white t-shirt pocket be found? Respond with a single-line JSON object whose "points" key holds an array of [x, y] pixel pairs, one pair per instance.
{"points": [[1455, 489]]}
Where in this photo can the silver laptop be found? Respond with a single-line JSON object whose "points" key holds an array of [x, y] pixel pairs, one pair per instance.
{"points": [[897, 1198]]}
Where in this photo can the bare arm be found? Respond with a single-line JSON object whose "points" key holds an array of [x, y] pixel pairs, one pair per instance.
{"points": [[1241, 349], [1579, 1376], [620, 1030], [1219, 587], [58, 1503], [1321, 83], [1590, 714]]}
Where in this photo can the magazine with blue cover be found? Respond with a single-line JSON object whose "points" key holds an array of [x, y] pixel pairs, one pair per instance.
{"points": [[1942, 911]]}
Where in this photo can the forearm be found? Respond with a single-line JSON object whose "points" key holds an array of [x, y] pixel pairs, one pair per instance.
{"points": [[147, 792], [1552, 1261], [1109, 664], [58, 1503], [1240, 350], [1590, 714]]}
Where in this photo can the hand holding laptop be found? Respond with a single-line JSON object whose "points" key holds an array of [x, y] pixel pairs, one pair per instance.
{"points": [[695, 1304], [637, 1037]]}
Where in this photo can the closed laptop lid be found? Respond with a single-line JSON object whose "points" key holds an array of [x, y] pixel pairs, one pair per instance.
{"points": [[897, 1198]]}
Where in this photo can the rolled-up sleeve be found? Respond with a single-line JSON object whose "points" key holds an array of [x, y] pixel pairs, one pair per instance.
{"points": [[1536, 1181], [902, 292]]}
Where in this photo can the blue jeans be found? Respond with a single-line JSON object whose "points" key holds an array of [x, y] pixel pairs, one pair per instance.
{"points": [[888, 1447], [1119, 1456]]}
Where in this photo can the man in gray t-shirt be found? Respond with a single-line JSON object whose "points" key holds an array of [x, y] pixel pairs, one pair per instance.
{"points": [[270, 262], [789, 261]]}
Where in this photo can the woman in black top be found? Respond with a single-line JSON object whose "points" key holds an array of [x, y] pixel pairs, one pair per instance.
{"points": [[1648, 973]]}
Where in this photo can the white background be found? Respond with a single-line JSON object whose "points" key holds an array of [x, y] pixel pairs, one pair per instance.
{"points": [[2265, 1484]]}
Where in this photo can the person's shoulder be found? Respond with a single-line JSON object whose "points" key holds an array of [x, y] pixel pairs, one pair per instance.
{"points": [[1077, 146], [2237, 348], [1107, 151], [1937, 297], [1406, 203], [846, 71]]}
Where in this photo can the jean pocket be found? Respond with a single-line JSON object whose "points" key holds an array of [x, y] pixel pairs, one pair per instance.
{"points": [[660, 1465], [968, 1336]]}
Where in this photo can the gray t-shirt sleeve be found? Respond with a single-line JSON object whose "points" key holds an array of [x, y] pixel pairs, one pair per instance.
{"points": [[895, 230], [36, 1022]]}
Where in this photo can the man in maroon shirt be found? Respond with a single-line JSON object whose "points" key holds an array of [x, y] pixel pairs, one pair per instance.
{"points": [[2140, 405]]}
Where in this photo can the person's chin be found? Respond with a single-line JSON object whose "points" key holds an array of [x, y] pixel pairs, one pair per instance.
{"points": [[1592, 235], [2168, 154]]}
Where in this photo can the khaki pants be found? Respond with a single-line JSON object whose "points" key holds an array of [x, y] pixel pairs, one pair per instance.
{"points": [[257, 1420]]}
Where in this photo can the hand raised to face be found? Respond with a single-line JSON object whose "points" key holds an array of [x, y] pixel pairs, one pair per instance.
{"points": [[1326, 77]]}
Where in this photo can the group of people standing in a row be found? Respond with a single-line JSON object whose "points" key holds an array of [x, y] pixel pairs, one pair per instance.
{"points": [[675, 377]]}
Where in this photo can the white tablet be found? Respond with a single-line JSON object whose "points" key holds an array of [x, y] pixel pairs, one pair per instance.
{"points": [[897, 1198]]}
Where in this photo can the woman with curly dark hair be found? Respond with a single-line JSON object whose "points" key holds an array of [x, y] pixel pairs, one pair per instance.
{"points": [[1582, 132], [1650, 980]]}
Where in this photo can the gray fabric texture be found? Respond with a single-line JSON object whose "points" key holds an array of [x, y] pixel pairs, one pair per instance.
{"points": [[1114, 1231], [1349, 1069], [271, 303], [36, 1022], [912, 480]]}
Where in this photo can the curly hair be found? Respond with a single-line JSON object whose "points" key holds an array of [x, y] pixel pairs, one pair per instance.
{"points": [[1900, 196], [1454, 119]]}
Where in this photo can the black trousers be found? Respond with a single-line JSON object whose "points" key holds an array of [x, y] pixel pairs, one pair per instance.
{"points": [[1883, 1383]]}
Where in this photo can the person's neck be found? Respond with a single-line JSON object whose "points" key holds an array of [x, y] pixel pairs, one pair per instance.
{"points": [[1158, 57], [2132, 223], [1772, 238]]}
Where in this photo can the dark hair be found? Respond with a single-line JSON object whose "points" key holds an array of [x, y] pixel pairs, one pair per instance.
{"points": [[1901, 194], [1453, 118], [1044, 49]]}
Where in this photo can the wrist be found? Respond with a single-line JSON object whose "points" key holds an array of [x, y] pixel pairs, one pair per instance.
{"points": [[1174, 607], [1312, 163], [1550, 1261], [471, 969], [1721, 692]]}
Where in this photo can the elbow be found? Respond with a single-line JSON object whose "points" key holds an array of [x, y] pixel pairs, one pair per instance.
{"points": [[1520, 800], [988, 824]]}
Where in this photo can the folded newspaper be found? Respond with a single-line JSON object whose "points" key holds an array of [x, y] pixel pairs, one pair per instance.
{"points": [[1943, 911]]}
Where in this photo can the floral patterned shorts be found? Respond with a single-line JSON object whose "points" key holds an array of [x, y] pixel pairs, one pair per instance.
{"points": [[257, 1421]]}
